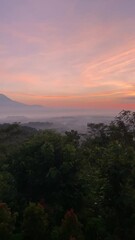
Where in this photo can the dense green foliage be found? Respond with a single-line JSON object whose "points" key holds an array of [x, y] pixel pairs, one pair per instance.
{"points": [[35, 222], [6, 222], [68, 186]]}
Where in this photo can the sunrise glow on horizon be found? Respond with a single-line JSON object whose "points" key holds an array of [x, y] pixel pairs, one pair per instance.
{"points": [[68, 53]]}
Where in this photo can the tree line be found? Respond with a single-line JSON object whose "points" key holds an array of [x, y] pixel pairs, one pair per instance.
{"points": [[68, 186]]}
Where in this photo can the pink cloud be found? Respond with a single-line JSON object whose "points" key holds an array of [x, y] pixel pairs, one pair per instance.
{"points": [[68, 69]]}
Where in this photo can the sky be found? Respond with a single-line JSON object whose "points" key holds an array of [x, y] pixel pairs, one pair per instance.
{"points": [[68, 53]]}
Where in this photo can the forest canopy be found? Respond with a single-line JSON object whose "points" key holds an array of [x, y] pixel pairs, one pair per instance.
{"points": [[68, 186]]}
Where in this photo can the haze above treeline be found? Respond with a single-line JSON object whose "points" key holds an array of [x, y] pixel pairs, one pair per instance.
{"points": [[49, 117]]}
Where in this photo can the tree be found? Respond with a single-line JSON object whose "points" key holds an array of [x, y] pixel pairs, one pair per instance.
{"points": [[122, 129], [72, 137], [71, 227], [35, 222], [7, 188], [7, 221]]}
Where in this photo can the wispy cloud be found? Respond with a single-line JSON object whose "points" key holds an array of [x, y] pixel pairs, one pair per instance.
{"points": [[71, 56]]}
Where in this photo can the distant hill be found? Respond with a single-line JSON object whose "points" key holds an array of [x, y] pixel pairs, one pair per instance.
{"points": [[6, 102], [9, 107]]}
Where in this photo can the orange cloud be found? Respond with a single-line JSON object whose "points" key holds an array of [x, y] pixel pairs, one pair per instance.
{"points": [[68, 69]]}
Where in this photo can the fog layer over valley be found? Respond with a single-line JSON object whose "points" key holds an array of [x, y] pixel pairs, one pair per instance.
{"points": [[40, 117]]}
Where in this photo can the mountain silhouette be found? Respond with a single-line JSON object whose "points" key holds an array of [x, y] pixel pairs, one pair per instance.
{"points": [[6, 101], [9, 107]]}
